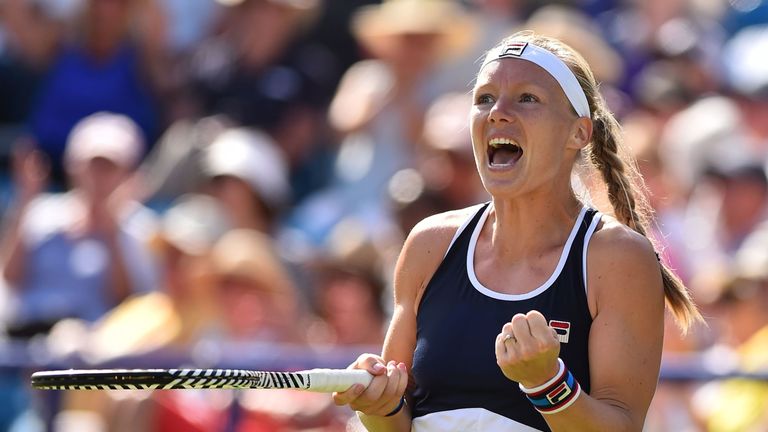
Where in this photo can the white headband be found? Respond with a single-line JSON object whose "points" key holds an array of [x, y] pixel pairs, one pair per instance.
{"points": [[550, 63]]}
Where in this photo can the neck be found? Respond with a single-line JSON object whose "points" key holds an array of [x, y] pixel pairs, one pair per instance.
{"points": [[521, 228]]}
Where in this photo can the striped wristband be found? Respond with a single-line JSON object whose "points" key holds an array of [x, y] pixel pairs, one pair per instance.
{"points": [[555, 395]]}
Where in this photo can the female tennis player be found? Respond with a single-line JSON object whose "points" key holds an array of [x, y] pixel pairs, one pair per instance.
{"points": [[535, 311]]}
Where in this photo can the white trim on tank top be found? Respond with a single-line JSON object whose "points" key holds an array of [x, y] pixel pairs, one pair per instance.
{"points": [[462, 227], [587, 237], [530, 294]]}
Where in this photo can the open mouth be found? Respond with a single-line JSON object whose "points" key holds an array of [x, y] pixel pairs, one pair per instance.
{"points": [[503, 152]]}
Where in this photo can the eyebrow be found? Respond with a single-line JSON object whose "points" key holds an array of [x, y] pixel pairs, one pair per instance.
{"points": [[537, 88]]}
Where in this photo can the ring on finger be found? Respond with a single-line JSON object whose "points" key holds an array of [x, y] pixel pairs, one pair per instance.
{"points": [[511, 337]]}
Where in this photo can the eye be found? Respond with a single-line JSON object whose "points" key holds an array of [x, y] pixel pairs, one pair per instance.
{"points": [[483, 99], [528, 98]]}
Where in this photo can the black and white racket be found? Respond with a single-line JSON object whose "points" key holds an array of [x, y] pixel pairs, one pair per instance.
{"points": [[316, 380]]}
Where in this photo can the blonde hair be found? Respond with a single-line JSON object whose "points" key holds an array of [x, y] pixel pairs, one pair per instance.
{"points": [[626, 190]]}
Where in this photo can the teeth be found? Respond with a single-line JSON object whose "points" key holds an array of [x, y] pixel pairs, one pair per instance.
{"points": [[498, 142]]}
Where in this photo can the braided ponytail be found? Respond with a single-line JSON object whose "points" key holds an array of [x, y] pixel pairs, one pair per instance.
{"points": [[625, 187], [622, 180]]}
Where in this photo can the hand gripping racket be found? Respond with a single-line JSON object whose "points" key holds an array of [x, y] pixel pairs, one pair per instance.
{"points": [[316, 380]]}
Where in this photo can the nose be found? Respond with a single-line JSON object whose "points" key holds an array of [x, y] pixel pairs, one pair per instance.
{"points": [[501, 112]]}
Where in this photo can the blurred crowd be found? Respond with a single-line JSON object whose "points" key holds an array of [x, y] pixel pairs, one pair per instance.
{"points": [[178, 172]]}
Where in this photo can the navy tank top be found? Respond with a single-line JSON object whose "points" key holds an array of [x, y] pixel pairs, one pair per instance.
{"points": [[454, 364]]}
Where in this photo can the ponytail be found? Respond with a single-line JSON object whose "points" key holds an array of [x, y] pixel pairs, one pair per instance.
{"points": [[631, 208]]}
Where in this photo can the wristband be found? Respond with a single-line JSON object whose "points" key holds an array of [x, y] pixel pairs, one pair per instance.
{"points": [[555, 395], [398, 408]]}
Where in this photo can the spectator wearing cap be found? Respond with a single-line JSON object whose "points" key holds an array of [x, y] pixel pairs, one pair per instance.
{"points": [[79, 253], [247, 174]]}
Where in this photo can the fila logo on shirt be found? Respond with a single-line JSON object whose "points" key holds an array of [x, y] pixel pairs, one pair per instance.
{"points": [[563, 329], [515, 49]]}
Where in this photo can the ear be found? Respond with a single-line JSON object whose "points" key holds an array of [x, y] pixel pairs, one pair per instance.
{"points": [[581, 133]]}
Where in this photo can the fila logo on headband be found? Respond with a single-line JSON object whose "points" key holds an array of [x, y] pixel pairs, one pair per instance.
{"points": [[515, 49], [563, 329]]}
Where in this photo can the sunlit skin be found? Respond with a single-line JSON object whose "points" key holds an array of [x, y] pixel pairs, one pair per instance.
{"points": [[518, 100]]}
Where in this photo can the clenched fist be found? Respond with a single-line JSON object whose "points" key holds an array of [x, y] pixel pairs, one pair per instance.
{"points": [[527, 349]]}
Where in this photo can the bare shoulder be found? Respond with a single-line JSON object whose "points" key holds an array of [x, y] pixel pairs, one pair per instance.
{"points": [[616, 241], [621, 261], [426, 246], [438, 230]]}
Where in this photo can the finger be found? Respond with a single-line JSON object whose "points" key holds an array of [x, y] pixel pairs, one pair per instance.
{"points": [[500, 347], [375, 365], [403, 384], [389, 393], [401, 377], [521, 330], [348, 396], [372, 395], [507, 332], [540, 329]]}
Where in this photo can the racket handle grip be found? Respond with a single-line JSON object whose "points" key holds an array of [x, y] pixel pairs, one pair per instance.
{"points": [[336, 380]]}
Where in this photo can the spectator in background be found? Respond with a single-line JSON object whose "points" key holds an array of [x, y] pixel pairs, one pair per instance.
{"points": [[257, 299], [109, 57], [581, 32], [175, 318], [79, 253], [349, 300], [448, 163], [740, 318], [181, 312], [723, 182], [247, 173], [379, 105], [258, 303], [259, 72], [496, 19], [243, 168]]}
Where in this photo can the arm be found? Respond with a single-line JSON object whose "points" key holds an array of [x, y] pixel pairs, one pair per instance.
{"points": [[151, 29], [106, 217], [627, 302], [362, 92], [30, 172], [34, 35], [422, 253]]}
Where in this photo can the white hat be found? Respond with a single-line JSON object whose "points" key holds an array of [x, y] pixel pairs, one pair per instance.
{"points": [[111, 136], [254, 157], [374, 24]]}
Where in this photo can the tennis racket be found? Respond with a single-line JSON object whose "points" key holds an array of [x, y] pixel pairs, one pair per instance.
{"points": [[316, 380]]}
